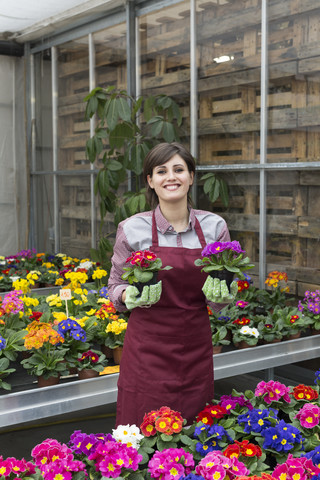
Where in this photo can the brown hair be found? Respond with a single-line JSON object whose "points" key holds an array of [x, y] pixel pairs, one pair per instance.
{"points": [[159, 155]]}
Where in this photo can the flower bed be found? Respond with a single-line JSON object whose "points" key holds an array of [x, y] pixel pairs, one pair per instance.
{"points": [[51, 337], [271, 433]]}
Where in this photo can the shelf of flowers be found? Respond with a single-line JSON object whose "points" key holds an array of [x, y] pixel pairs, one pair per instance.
{"points": [[268, 433], [60, 336]]}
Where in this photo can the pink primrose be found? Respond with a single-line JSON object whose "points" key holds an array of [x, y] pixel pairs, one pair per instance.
{"points": [[49, 451], [216, 466], [309, 415], [167, 464], [301, 468], [273, 391], [242, 304]]}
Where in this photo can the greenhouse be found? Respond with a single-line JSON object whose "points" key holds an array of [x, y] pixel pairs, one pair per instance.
{"points": [[88, 87]]}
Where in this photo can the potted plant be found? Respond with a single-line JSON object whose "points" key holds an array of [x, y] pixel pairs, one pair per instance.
{"points": [[245, 337], [5, 370], [276, 295], [219, 338], [90, 363], [291, 322], [269, 329], [224, 260], [143, 268], [74, 341], [116, 331], [46, 360], [310, 307]]}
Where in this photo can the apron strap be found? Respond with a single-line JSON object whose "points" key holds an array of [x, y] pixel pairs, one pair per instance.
{"points": [[155, 240]]}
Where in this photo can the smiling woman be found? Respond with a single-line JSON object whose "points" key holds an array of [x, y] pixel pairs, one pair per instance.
{"points": [[167, 354]]}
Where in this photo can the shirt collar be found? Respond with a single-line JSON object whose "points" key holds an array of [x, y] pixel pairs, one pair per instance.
{"points": [[164, 226]]}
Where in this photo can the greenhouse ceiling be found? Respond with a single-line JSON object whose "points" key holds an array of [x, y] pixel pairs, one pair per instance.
{"points": [[26, 20]]}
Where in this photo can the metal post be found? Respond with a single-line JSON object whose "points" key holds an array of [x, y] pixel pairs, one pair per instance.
{"points": [[92, 84], [263, 142], [131, 60], [54, 77], [193, 90], [32, 120]]}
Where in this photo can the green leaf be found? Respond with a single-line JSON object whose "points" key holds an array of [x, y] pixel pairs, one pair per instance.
{"points": [[214, 193], [156, 127], [124, 109], [168, 132], [224, 192]]}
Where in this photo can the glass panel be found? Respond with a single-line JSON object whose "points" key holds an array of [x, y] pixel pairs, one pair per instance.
{"points": [[242, 213], [293, 206], [75, 215], [111, 57], [229, 45], [294, 82], [165, 56], [73, 72], [43, 105], [73, 86], [44, 213], [42, 193]]}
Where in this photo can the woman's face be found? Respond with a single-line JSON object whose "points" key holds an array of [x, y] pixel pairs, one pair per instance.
{"points": [[171, 181]]}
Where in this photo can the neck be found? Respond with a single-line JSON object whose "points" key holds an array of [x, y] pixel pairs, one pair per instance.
{"points": [[177, 215]]}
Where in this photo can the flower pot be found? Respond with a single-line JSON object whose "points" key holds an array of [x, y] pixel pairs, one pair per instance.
{"points": [[107, 351], [217, 349], [243, 344], [293, 336], [152, 281], [87, 373], [223, 275], [47, 382], [117, 354]]}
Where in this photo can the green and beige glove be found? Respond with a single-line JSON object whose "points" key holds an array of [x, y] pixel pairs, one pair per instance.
{"points": [[149, 296], [217, 291]]}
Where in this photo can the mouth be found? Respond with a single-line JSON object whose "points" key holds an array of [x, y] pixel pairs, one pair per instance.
{"points": [[172, 188]]}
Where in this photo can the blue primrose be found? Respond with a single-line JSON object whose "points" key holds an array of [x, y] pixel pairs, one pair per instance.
{"points": [[3, 343], [314, 455], [282, 437], [73, 328], [192, 476], [256, 420], [203, 449]]}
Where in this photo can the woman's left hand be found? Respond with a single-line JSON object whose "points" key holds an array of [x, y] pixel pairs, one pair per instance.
{"points": [[217, 291], [150, 295]]}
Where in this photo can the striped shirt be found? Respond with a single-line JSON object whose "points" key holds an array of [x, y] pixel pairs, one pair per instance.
{"points": [[135, 233]]}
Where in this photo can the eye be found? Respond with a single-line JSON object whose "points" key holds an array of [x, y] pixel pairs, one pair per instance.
{"points": [[161, 172], [179, 170]]}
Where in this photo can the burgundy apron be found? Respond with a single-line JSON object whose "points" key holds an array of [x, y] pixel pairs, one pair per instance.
{"points": [[167, 356]]}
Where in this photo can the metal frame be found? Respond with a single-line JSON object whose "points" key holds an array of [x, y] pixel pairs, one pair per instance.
{"points": [[36, 404]]}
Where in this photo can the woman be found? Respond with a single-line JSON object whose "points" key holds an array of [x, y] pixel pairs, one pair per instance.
{"points": [[167, 355]]}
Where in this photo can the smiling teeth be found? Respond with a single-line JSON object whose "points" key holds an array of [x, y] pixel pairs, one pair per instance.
{"points": [[171, 187]]}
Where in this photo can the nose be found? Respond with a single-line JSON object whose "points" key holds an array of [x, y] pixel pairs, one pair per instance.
{"points": [[171, 174]]}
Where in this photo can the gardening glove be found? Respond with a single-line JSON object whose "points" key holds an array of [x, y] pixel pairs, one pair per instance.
{"points": [[217, 291], [150, 295]]}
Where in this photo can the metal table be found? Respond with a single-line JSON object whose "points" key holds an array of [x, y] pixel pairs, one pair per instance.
{"points": [[35, 404]]}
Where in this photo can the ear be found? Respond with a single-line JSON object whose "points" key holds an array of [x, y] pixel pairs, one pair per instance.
{"points": [[191, 178], [150, 182]]}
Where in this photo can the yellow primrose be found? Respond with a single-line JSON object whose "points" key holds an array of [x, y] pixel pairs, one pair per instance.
{"points": [[21, 284], [48, 264], [54, 300], [30, 301], [59, 281], [59, 316], [91, 312], [99, 273]]}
